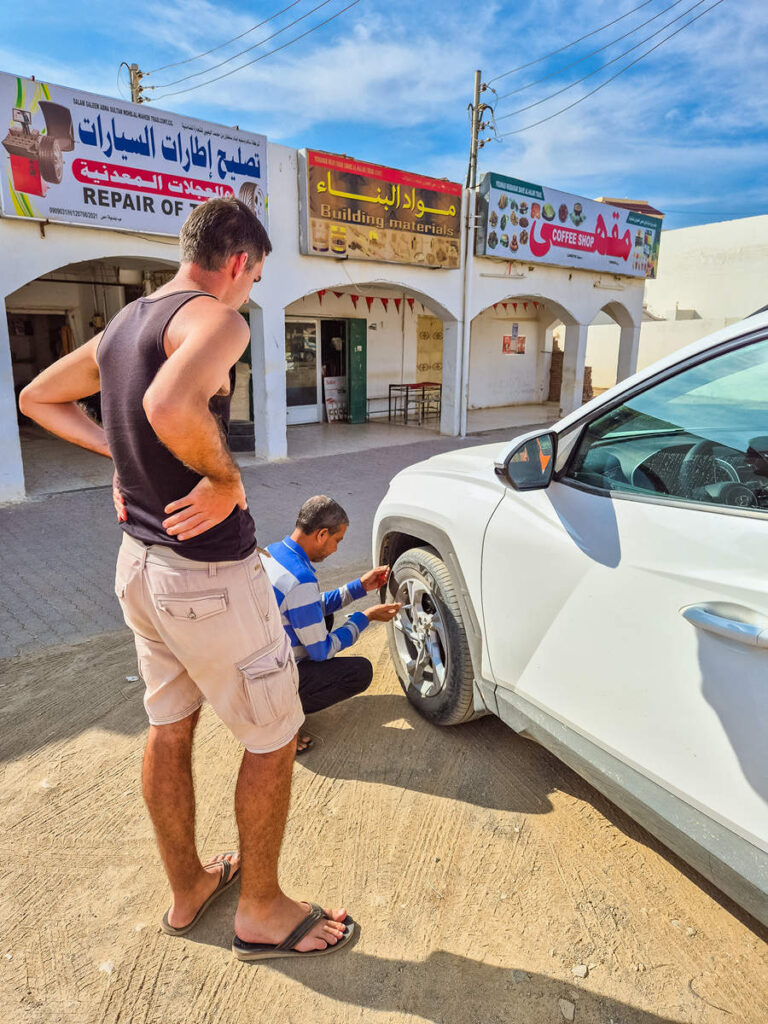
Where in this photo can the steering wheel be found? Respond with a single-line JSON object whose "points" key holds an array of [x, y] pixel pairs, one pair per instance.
{"points": [[690, 473]]}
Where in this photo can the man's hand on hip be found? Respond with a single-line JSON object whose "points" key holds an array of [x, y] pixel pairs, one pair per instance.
{"points": [[382, 612], [375, 578], [118, 500], [207, 504]]}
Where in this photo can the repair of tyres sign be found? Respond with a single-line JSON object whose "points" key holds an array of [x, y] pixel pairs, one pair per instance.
{"points": [[351, 209], [77, 158], [537, 224]]}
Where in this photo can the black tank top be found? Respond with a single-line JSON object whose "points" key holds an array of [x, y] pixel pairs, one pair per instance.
{"points": [[129, 355]]}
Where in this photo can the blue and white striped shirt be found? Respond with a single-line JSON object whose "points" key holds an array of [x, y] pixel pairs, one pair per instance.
{"points": [[303, 607]]}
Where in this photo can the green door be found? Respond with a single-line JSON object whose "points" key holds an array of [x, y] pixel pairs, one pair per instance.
{"points": [[357, 370]]}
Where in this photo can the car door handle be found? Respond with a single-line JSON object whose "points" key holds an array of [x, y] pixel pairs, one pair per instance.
{"points": [[730, 622]]}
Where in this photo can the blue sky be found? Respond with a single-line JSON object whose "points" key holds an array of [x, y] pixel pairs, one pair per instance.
{"points": [[686, 128]]}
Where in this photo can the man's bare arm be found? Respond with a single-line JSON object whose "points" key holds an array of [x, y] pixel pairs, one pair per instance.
{"points": [[50, 399], [176, 404]]}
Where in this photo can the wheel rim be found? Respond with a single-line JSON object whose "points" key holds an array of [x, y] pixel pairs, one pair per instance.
{"points": [[421, 638]]}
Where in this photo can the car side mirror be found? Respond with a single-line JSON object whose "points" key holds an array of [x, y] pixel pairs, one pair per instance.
{"points": [[530, 463]]}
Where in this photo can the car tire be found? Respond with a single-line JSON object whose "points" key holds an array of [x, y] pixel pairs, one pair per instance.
{"points": [[440, 686], [51, 160]]}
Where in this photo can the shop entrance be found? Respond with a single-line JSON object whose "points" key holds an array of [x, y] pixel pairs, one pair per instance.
{"points": [[325, 369], [37, 340]]}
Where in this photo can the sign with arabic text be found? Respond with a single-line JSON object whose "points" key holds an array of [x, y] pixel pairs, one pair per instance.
{"points": [[77, 158], [536, 224], [366, 212]]}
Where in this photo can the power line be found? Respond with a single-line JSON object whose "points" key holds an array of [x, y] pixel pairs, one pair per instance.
{"points": [[277, 49], [227, 60], [607, 64], [567, 46], [178, 63], [123, 64], [602, 85], [592, 53]]}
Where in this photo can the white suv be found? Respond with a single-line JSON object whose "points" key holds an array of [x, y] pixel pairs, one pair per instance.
{"points": [[602, 587]]}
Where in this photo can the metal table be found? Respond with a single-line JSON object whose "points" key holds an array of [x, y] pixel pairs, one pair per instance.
{"points": [[425, 398]]}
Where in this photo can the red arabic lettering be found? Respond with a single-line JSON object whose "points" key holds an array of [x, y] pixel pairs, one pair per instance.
{"points": [[583, 241], [94, 172]]}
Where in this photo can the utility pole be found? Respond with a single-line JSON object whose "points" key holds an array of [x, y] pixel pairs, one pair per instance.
{"points": [[477, 109], [136, 87]]}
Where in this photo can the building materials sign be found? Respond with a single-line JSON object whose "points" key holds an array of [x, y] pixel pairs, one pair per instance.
{"points": [[366, 212], [77, 158], [535, 224]]}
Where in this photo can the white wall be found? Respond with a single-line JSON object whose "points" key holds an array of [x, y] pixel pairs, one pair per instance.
{"points": [[719, 270], [497, 378], [603, 354]]}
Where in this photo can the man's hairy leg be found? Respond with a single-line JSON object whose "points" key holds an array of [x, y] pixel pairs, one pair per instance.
{"points": [[170, 797], [264, 913]]}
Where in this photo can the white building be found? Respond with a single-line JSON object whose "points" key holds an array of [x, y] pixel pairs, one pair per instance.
{"points": [[61, 283], [709, 276]]}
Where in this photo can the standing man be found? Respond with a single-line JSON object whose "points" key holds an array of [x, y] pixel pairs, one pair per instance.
{"points": [[189, 577], [308, 614]]}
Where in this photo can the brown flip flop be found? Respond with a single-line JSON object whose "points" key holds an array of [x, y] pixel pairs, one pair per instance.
{"points": [[228, 877], [264, 951]]}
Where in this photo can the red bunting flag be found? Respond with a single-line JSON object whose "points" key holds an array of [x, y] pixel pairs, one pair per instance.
{"points": [[397, 303], [514, 306], [525, 305], [338, 294], [410, 303], [320, 295], [505, 304], [355, 299], [385, 304], [369, 299], [495, 305], [535, 305]]}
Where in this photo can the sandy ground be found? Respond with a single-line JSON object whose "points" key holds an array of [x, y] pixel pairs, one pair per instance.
{"points": [[480, 869]]}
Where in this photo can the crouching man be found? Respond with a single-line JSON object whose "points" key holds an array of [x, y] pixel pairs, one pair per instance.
{"points": [[307, 613]]}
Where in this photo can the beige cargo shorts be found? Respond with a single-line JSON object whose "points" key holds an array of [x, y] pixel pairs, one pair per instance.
{"points": [[210, 631]]}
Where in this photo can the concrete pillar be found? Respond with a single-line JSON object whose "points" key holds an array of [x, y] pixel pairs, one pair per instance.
{"points": [[11, 467], [268, 381], [450, 410], [574, 357], [629, 346]]}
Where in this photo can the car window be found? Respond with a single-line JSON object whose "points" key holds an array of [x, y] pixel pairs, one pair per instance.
{"points": [[701, 435]]}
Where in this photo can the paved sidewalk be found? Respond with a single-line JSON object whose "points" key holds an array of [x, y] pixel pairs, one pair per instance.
{"points": [[57, 553]]}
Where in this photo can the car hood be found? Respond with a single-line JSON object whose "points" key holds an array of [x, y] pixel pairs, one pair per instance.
{"points": [[477, 461]]}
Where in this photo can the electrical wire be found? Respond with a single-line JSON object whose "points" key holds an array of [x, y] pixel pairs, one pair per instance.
{"points": [[227, 60], [567, 46], [277, 49], [601, 67], [122, 65], [608, 81], [592, 53], [188, 60]]}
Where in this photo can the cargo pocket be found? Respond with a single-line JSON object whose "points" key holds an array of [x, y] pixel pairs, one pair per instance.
{"points": [[192, 607], [271, 682]]}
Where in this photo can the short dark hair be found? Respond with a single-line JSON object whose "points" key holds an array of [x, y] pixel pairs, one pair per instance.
{"points": [[321, 513], [220, 228]]}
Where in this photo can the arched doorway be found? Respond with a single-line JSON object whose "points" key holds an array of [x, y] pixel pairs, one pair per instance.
{"points": [[513, 364], [611, 332], [51, 316], [386, 344]]}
